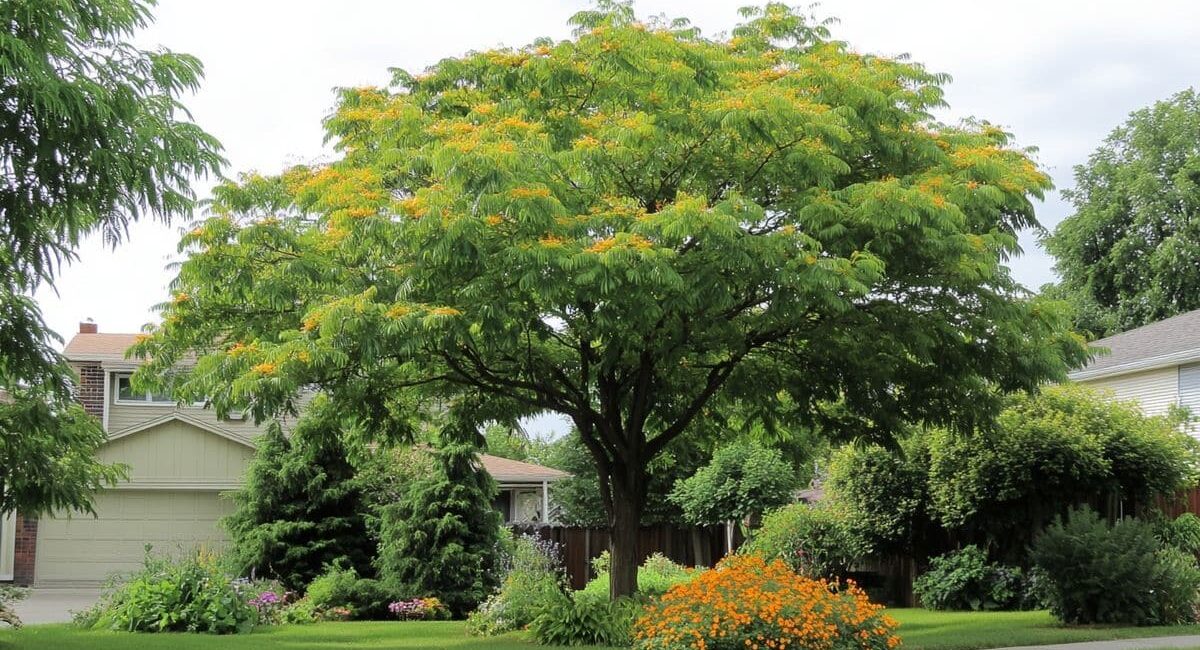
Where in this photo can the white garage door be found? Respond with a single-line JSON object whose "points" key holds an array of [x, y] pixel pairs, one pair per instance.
{"points": [[83, 549]]}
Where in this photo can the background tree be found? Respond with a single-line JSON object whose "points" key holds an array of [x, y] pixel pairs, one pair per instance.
{"points": [[1127, 255], [92, 137], [886, 492], [635, 228], [740, 483], [300, 510], [442, 536], [1001, 484]]}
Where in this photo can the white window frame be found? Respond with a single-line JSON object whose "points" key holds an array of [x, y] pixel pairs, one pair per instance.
{"points": [[149, 401]]}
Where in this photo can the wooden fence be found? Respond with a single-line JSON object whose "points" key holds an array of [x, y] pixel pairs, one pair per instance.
{"points": [[700, 546]]}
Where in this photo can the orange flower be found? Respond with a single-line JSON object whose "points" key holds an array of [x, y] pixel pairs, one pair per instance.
{"points": [[265, 368], [747, 602]]}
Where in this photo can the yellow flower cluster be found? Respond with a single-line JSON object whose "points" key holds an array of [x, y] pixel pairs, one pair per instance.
{"points": [[529, 192], [747, 602], [398, 311], [265, 368]]}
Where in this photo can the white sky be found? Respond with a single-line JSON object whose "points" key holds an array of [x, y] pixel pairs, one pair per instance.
{"points": [[1058, 73]]}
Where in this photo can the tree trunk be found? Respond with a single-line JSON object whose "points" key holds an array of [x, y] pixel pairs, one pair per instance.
{"points": [[624, 523]]}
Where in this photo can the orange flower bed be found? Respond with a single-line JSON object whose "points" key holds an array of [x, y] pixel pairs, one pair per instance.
{"points": [[748, 603]]}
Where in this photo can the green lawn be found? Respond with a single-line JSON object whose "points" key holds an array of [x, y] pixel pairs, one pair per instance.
{"points": [[919, 628], [343, 636]]}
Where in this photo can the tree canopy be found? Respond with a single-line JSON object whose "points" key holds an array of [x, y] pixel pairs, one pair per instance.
{"points": [[636, 227], [740, 483], [1127, 254], [92, 137]]}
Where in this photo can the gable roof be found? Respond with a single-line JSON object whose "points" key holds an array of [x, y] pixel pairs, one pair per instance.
{"points": [[506, 470], [1168, 342], [177, 416], [99, 347]]}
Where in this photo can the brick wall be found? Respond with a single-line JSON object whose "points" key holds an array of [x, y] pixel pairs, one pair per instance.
{"points": [[25, 554], [91, 387]]}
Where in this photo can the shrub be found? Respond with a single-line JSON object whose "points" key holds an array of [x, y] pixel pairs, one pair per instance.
{"points": [[1097, 573], [655, 577], [814, 540], [191, 594], [884, 494], [966, 580], [8, 596], [1183, 533], [340, 588], [572, 621], [299, 612], [440, 538], [1049, 452], [747, 601], [532, 580]]}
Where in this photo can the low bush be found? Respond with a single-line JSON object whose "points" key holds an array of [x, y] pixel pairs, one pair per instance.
{"points": [[1182, 532], [340, 588], [966, 580], [813, 540], [1115, 574], [656, 575], [191, 594], [299, 612], [747, 602], [8, 596], [574, 621], [419, 609], [532, 579]]}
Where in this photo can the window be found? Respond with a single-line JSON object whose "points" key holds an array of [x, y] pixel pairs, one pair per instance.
{"points": [[126, 393]]}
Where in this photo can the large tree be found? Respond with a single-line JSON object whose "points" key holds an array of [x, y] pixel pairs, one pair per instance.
{"points": [[92, 136], [1127, 255], [637, 228]]}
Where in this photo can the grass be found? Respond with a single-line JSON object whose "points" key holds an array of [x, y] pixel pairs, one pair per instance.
{"points": [[921, 630], [928, 630], [343, 636]]}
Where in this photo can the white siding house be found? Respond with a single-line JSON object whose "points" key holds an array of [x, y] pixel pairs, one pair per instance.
{"points": [[1157, 366]]}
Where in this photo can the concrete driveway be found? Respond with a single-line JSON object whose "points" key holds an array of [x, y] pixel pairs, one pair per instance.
{"points": [[55, 604]]}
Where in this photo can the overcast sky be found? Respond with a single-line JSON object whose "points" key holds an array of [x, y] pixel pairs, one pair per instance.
{"points": [[1058, 73]]}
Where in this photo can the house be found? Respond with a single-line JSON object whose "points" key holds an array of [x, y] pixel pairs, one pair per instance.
{"points": [[182, 459], [1157, 365]]}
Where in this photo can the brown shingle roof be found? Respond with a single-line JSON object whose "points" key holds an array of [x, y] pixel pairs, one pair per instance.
{"points": [[99, 347], [506, 470]]}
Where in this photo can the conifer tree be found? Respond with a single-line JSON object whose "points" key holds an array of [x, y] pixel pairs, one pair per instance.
{"points": [[440, 539], [300, 510]]}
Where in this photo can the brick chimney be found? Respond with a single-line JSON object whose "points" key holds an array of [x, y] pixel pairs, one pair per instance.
{"points": [[91, 377]]}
